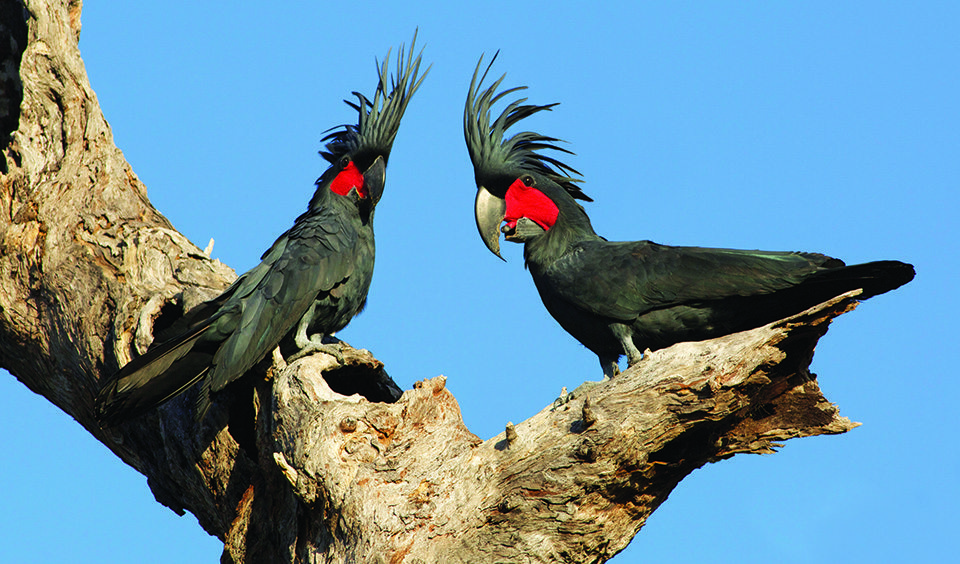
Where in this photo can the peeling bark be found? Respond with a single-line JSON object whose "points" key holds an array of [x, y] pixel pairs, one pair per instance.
{"points": [[293, 465]]}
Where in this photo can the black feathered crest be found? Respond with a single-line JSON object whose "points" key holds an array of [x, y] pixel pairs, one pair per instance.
{"points": [[379, 119], [491, 153]]}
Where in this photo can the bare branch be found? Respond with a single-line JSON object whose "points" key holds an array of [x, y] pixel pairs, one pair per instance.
{"points": [[284, 468]]}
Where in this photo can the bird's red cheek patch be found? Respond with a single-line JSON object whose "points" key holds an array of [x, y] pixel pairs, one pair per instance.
{"points": [[348, 179], [527, 201]]}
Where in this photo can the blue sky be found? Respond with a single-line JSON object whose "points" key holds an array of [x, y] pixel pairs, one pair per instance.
{"points": [[811, 126]]}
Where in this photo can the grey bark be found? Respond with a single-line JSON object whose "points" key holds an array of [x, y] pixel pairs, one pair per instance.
{"points": [[284, 469]]}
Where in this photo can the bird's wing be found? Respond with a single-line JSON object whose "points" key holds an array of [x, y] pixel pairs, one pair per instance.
{"points": [[624, 280], [314, 256]]}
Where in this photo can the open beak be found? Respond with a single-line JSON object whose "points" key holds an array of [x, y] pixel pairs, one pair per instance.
{"points": [[489, 211], [374, 178]]}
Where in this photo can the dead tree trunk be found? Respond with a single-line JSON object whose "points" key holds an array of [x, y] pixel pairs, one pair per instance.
{"points": [[89, 269]]}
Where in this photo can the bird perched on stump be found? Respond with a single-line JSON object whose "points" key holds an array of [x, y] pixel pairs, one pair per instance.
{"points": [[621, 298], [311, 282]]}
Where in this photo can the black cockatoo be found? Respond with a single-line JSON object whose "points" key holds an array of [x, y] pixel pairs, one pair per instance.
{"points": [[621, 298], [311, 282]]}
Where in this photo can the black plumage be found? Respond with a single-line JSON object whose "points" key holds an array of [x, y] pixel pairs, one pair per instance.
{"points": [[311, 282], [621, 298]]}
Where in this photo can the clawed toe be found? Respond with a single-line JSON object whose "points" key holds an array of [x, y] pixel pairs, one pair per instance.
{"points": [[315, 345]]}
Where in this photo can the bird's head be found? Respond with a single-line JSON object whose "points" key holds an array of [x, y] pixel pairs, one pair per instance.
{"points": [[358, 153], [517, 186]]}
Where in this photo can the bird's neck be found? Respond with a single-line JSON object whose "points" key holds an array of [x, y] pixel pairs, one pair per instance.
{"points": [[321, 198], [324, 198], [572, 226]]}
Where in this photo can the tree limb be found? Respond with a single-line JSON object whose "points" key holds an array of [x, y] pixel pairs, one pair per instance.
{"points": [[286, 469]]}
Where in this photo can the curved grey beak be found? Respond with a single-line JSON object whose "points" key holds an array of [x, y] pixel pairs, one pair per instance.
{"points": [[374, 178], [489, 211]]}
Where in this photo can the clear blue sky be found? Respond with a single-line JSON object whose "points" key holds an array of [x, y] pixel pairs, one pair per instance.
{"points": [[811, 126]]}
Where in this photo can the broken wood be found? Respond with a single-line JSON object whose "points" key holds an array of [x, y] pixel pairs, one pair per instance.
{"points": [[295, 462]]}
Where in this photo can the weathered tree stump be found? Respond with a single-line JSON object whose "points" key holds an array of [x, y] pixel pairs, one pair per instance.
{"points": [[284, 468]]}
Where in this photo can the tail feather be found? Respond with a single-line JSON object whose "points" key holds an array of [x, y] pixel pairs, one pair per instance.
{"points": [[148, 381], [874, 278], [730, 315]]}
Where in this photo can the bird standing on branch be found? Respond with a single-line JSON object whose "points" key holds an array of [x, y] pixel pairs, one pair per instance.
{"points": [[621, 298], [311, 282]]}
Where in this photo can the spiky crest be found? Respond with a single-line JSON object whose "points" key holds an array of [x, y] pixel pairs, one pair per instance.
{"points": [[378, 120], [493, 155]]}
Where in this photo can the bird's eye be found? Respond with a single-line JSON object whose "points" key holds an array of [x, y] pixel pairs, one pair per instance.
{"points": [[344, 162], [527, 180]]}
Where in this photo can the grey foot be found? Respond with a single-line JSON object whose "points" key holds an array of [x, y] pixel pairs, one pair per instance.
{"points": [[315, 345]]}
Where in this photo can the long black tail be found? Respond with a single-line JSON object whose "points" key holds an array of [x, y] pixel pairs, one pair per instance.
{"points": [[874, 278], [165, 371]]}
